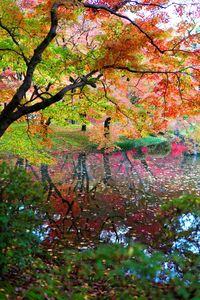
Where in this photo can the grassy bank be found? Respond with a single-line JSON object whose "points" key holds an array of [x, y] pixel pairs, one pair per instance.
{"points": [[127, 144], [72, 139], [18, 142]]}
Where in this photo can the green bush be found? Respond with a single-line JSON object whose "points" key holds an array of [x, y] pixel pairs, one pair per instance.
{"points": [[17, 142], [115, 272], [20, 218]]}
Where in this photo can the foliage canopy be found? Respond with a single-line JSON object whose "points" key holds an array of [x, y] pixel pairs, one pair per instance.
{"points": [[122, 59]]}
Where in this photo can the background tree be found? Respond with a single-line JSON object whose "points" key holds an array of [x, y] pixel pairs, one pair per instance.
{"points": [[99, 50]]}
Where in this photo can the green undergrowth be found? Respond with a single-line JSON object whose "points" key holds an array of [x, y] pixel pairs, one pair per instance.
{"points": [[109, 272], [17, 142]]}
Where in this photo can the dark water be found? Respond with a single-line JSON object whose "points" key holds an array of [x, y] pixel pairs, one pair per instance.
{"points": [[118, 198]]}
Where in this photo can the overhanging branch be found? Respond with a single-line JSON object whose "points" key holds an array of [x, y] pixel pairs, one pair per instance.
{"points": [[125, 68], [57, 97], [12, 50], [113, 12], [15, 41], [32, 64]]}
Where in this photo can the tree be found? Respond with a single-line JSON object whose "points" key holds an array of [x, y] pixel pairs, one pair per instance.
{"points": [[96, 52]]}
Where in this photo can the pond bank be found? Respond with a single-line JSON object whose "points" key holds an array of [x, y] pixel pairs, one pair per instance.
{"points": [[19, 143]]}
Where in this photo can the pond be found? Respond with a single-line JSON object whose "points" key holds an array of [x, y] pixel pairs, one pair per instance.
{"points": [[118, 198]]}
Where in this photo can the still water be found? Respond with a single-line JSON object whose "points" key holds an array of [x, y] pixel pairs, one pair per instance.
{"points": [[118, 198]]}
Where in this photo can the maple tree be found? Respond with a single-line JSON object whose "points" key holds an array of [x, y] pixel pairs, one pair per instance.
{"points": [[118, 59]]}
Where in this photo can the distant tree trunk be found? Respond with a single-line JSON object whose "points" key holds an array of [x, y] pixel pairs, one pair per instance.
{"points": [[83, 127], [20, 162], [45, 125], [107, 127], [48, 122], [4, 126]]}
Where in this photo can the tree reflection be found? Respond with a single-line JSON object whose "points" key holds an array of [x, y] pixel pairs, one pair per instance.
{"points": [[81, 174], [107, 169], [115, 198]]}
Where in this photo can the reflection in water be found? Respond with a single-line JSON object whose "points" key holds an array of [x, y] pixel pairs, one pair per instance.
{"points": [[81, 174], [188, 223], [116, 236], [116, 198]]}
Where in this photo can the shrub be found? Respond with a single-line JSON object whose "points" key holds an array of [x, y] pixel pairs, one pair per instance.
{"points": [[20, 218], [115, 272]]}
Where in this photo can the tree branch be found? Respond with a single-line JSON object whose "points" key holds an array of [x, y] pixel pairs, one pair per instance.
{"points": [[49, 101], [159, 5], [8, 49], [150, 71], [34, 61], [15, 41]]}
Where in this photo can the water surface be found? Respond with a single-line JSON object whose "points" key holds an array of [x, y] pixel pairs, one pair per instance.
{"points": [[117, 198]]}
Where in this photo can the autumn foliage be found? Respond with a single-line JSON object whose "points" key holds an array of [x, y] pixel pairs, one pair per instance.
{"points": [[122, 59]]}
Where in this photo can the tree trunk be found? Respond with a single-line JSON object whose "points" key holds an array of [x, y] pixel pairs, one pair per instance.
{"points": [[45, 126], [107, 127], [83, 115], [83, 128], [4, 126]]}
